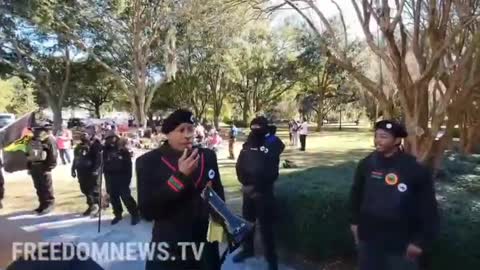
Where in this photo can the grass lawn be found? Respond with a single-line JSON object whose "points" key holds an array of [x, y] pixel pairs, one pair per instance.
{"points": [[326, 148]]}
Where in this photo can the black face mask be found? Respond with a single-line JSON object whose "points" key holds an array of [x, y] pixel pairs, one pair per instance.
{"points": [[259, 132]]}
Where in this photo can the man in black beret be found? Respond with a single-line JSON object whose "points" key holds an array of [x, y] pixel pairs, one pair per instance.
{"points": [[393, 206], [42, 156], [170, 180], [257, 169]]}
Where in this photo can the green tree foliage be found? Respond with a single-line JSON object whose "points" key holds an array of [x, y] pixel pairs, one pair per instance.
{"points": [[325, 86], [31, 49], [16, 97], [91, 87], [264, 70]]}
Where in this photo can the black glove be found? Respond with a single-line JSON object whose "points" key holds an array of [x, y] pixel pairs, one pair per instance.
{"points": [[74, 174]]}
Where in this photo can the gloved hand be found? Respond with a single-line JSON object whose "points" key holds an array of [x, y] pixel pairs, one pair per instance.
{"points": [[74, 174]]}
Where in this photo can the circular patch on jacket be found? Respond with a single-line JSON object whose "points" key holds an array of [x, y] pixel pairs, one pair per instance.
{"points": [[391, 179], [211, 174], [402, 187], [262, 148]]}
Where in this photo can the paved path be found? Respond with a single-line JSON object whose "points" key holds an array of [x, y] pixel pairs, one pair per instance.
{"points": [[74, 228]]}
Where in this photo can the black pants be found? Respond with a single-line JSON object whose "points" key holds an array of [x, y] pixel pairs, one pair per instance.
{"points": [[64, 156], [373, 257], [261, 207], [303, 141], [90, 187], [2, 185], [42, 181], [118, 187]]}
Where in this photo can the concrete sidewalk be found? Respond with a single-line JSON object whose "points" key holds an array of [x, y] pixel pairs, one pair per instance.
{"points": [[73, 228]]}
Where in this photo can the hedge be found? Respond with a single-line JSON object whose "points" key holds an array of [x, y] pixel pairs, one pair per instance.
{"points": [[313, 218]]}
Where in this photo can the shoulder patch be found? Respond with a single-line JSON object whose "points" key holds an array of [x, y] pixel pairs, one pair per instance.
{"points": [[211, 174]]}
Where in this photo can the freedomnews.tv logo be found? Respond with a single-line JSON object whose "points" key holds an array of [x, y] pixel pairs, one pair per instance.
{"points": [[107, 251]]}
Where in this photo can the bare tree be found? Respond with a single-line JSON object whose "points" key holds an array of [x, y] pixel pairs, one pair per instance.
{"points": [[439, 36], [134, 40]]}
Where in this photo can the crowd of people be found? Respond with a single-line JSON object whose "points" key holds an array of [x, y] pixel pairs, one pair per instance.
{"points": [[394, 215]]}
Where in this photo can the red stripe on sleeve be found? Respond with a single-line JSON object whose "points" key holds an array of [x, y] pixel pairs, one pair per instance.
{"points": [[172, 186]]}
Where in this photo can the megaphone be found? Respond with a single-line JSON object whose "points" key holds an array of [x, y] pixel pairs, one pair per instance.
{"points": [[237, 228]]}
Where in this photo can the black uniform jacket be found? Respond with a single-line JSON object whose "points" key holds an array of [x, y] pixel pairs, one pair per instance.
{"points": [[258, 163], [172, 199], [393, 201], [88, 157], [117, 161], [50, 147]]}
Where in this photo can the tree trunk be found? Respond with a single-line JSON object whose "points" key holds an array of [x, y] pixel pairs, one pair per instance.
{"points": [[57, 117], [470, 138], [246, 111], [319, 121], [97, 111], [140, 113], [56, 110], [216, 117], [320, 109]]}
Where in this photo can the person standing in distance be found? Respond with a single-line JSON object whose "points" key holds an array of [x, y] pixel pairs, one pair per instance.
{"points": [[257, 169], [303, 132], [87, 165], [42, 157], [393, 205], [64, 144], [231, 141], [117, 167], [170, 180]]}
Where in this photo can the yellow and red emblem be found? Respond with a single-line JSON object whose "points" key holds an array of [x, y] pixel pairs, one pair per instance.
{"points": [[391, 179]]}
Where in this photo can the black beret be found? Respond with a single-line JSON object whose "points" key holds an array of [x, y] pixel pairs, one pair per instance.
{"points": [[177, 118], [261, 121], [392, 127]]}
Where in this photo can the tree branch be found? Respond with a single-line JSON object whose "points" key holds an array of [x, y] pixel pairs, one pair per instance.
{"points": [[66, 79]]}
